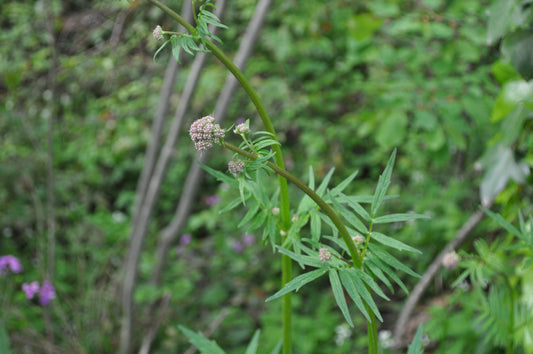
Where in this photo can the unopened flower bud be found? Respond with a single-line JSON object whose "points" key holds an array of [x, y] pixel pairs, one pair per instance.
{"points": [[241, 128], [358, 239], [450, 260], [275, 211], [158, 33], [324, 254]]}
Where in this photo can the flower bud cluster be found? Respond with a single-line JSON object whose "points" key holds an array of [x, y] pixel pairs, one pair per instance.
{"points": [[205, 132], [236, 167], [158, 33], [241, 128], [450, 260], [324, 254]]}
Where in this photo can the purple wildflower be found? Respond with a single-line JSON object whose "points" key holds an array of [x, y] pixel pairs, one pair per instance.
{"points": [[185, 239], [236, 167], [212, 200], [47, 293], [205, 132], [30, 289], [248, 239], [238, 246], [9, 262]]}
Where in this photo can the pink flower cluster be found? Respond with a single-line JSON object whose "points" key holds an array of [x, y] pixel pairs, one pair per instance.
{"points": [[46, 292], [324, 254], [236, 167], [10, 263], [205, 132], [158, 33]]}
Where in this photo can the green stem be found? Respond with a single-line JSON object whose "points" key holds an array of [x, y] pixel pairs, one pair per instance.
{"points": [[286, 262], [372, 329]]}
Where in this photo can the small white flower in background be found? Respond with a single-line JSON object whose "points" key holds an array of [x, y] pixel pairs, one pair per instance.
{"points": [[343, 332], [385, 338], [450, 260], [118, 216], [324, 254], [294, 218], [158, 33], [275, 211]]}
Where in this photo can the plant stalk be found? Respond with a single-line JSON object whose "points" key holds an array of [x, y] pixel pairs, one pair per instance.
{"points": [[286, 262]]}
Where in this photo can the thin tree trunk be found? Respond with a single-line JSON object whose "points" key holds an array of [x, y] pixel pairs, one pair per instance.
{"points": [[150, 183]]}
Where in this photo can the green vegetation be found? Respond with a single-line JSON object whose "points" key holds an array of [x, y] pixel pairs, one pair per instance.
{"points": [[448, 85]]}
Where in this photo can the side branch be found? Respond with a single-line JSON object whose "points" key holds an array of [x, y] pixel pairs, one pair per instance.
{"points": [[356, 258]]}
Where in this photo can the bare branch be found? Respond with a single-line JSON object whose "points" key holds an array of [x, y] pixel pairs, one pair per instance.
{"points": [[414, 297]]}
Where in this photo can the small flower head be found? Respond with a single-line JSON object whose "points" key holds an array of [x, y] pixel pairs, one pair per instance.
{"points": [[450, 260], [158, 33], [236, 167], [30, 289], [324, 254], [275, 211], [358, 239], [46, 293], [295, 218], [10, 263], [283, 233], [242, 128], [205, 132]]}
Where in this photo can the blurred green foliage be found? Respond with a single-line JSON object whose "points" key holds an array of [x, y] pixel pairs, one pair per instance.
{"points": [[344, 82]]}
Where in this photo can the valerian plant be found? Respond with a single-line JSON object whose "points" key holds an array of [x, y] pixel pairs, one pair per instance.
{"points": [[342, 242]]}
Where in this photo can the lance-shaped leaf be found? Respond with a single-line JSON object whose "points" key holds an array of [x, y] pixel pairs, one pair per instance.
{"points": [[298, 282], [252, 210], [349, 216], [353, 286], [354, 294], [341, 186], [252, 347], [374, 265], [387, 258], [203, 344], [222, 177], [338, 293], [398, 218], [503, 223], [352, 203], [322, 188], [370, 282], [383, 185], [389, 241]]}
